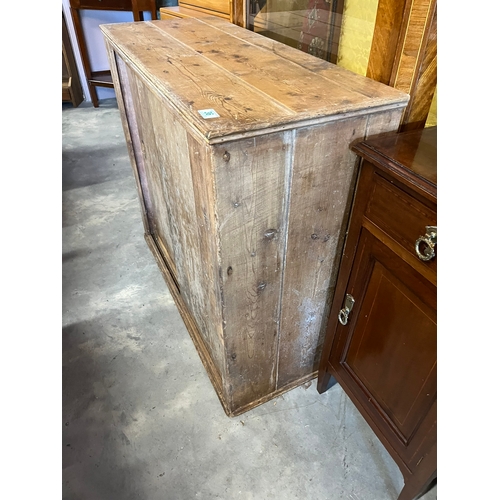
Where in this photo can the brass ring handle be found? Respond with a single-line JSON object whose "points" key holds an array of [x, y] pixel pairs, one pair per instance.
{"points": [[427, 243], [343, 316], [344, 312]]}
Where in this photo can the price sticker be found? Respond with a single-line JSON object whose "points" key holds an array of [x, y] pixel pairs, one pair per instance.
{"points": [[208, 113]]}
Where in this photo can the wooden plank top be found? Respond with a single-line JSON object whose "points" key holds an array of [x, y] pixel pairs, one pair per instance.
{"points": [[253, 83]]}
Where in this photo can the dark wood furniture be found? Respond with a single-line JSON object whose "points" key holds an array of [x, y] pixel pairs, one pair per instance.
{"points": [[236, 159], [71, 85], [381, 336], [137, 7], [197, 8]]}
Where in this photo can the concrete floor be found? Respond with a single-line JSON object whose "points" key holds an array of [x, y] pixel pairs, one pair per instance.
{"points": [[140, 417]]}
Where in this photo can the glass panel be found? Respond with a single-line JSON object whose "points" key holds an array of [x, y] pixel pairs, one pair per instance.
{"points": [[339, 31]]}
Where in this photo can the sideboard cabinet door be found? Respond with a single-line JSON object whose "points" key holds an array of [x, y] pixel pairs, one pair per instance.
{"points": [[387, 351]]}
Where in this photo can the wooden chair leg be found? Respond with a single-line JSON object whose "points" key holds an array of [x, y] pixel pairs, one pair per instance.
{"points": [[93, 96]]}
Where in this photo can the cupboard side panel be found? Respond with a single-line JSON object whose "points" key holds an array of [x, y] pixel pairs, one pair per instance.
{"points": [[167, 155], [204, 220], [251, 209], [380, 123], [195, 288], [322, 188], [158, 203], [146, 158]]}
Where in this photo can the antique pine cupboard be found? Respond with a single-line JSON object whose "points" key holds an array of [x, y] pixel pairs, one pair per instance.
{"points": [[240, 149]]}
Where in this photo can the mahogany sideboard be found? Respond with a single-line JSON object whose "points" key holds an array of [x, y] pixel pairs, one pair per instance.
{"points": [[240, 148], [381, 340]]}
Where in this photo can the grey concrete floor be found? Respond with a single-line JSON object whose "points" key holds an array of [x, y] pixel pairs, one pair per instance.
{"points": [[140, 417]]}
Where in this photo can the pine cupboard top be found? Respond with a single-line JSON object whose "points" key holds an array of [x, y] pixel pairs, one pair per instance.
{"points": [[254, 84]]}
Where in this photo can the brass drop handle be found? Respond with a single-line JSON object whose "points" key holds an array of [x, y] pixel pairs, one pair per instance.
{"points": [[425, 245], [344, 312]]}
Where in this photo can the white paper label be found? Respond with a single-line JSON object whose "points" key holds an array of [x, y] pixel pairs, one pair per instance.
{"points": [[208, 113]]}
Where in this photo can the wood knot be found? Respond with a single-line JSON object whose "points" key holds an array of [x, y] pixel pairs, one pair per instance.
{"points": [[269, 234], [229, 271]]}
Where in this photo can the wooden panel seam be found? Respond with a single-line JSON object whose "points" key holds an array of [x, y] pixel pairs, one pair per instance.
{"points": [[224, 70], [225, 383], [286, 215], [263, 48]]}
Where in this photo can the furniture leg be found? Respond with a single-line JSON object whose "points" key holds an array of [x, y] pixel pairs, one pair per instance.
{"points": [[323, 379]]}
